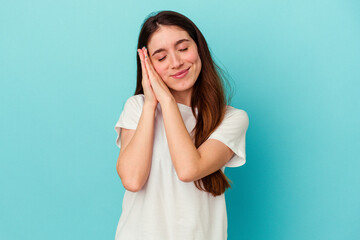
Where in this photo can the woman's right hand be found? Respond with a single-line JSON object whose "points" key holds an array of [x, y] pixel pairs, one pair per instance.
{"points": [[150, 97]]}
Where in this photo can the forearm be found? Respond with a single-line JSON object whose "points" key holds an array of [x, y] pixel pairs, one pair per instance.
{"points": [[134, 162], [183, 152]]}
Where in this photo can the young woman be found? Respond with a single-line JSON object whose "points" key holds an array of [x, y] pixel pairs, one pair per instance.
{"points": [[176, 136]]}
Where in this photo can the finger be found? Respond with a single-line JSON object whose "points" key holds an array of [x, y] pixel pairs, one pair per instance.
{"points": [[153, 74], [142, 61], [149, 67]]}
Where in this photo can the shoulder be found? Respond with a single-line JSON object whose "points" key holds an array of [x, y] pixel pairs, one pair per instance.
{"points": [[139, 98], [233, 127], [134, 104], [236, 113], [135, 101]]}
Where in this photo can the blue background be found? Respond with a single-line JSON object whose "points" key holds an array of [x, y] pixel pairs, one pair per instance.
{"points": [[67, 68]]}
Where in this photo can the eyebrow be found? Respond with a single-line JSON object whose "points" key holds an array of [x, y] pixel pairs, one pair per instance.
{"points": [[177, 43]]}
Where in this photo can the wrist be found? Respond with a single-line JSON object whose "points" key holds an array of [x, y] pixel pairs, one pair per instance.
{"points": [[149, 106], [169, 101]]}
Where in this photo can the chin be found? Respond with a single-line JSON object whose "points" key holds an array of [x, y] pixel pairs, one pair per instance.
{"points": [[180, 89], [182, 85]]}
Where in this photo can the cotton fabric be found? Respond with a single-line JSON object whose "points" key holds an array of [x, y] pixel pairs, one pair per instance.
{"points": [[167, 208]]}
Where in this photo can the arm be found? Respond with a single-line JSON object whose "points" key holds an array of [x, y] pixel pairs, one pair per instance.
{"points": [[134, 161], [190, 163]]}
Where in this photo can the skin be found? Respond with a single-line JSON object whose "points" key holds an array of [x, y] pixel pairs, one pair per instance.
{"points": [[173, 59], [190, 163]]}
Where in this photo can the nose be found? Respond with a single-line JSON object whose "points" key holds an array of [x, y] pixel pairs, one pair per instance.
{"points": [[176, 61]]}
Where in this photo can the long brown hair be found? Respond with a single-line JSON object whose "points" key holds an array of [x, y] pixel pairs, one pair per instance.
{"points": [[208, 94]]}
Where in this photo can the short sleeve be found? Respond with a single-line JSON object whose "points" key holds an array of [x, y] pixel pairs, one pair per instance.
{"points": [[232, 132], [130, 115]]}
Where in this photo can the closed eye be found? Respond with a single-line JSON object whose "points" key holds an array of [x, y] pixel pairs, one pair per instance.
{"points": [[184, 49]]}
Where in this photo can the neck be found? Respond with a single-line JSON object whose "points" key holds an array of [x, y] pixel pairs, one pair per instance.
{"points": [[183, 97]]}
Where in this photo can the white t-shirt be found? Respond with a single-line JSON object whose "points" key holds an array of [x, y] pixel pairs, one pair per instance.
{"points": [[167, 208]]}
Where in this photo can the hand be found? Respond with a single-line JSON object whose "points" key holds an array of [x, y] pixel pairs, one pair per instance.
{"points": [[148, 91], [160, 89]]}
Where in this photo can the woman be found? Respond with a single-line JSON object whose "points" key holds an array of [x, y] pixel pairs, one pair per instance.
{"points": [[176, 136]]}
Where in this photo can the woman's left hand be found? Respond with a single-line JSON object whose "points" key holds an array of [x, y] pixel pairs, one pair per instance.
{"points": [[159, 87]]}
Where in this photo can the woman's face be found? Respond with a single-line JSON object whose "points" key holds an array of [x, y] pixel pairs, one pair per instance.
{"points": [[171, 51]]}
